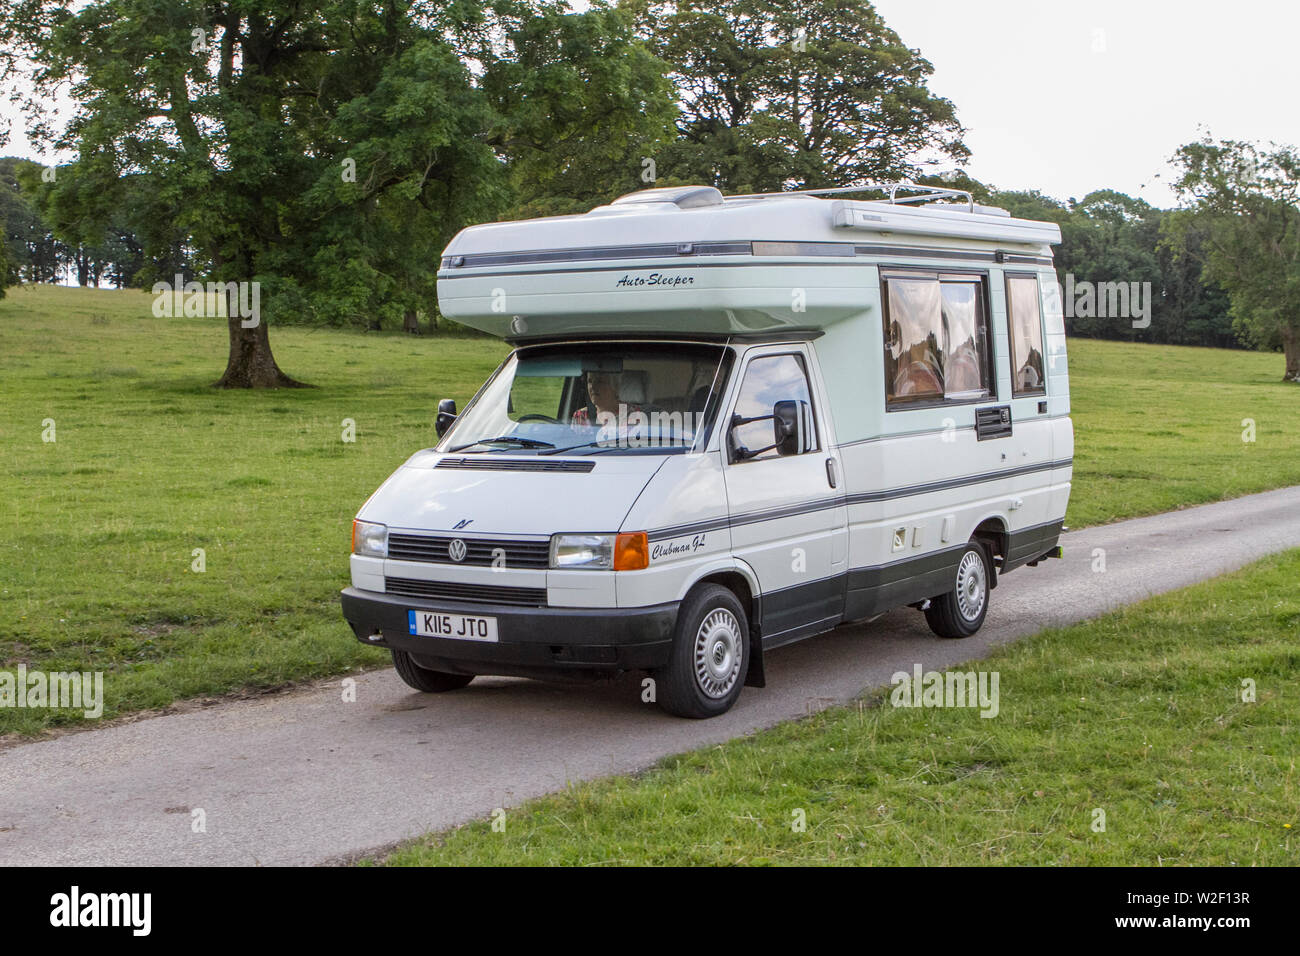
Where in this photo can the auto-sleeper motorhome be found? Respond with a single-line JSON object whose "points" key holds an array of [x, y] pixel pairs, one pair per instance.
{"points": [[728, 423]]}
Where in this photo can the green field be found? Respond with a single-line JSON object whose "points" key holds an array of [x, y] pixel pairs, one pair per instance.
{"points": [[1138, 714], [1160, 427], [149, 464]]}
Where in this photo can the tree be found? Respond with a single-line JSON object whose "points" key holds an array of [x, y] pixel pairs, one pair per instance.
{"points": [[8, 202], [35, 253], [1113, 239], [1108, 237], [795, 93], [1241, 203], [240, 117], [8, 275], [95, 252], [581, 103], [982, 193], [1199, 312]]}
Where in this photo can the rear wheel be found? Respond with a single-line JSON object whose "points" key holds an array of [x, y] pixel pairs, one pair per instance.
{"points": [[421, 678], [710, 655], [960, 612]]}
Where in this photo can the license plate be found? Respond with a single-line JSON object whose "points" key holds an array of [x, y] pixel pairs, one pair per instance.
{"points": [[459, 627]]}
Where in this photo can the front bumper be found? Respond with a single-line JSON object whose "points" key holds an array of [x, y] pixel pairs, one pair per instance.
{"points": [[531, 641]]}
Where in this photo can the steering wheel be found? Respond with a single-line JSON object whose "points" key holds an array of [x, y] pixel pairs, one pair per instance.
{"points": [[534, 417]]}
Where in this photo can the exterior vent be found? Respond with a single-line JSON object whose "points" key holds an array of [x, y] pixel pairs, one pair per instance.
{"points": [[993, 421], [683, 197], [472, 593], [480, 463]]}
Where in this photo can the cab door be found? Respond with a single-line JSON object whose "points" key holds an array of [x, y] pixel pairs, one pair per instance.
{"points": [[785, 494]]}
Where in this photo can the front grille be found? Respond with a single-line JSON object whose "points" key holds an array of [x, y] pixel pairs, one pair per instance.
{"points": [[482, 463], [479, 552], [473, 593]]}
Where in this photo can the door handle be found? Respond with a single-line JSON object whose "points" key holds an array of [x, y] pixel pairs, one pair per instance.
{"points": [[830, 473]]}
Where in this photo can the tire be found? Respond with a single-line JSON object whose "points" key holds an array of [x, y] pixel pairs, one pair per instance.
{"points": [[423, 679], [710, 656], [960, 612]]}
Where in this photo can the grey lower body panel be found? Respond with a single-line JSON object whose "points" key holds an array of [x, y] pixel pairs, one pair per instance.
{"points": [[1031, 543], [870, 591], [876, 590]]}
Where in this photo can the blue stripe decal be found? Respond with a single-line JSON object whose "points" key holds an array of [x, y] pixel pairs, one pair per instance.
{"points": [[866, 497]]}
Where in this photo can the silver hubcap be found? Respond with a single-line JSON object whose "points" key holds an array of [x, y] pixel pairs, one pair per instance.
{"points": [[971, 586], [718, 650]]}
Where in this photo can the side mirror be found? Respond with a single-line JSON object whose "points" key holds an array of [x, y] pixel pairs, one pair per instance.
{"points": [[446, 415], [786, 431], [792, 428]]}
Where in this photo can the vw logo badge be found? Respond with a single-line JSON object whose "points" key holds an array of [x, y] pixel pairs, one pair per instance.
{"points": [[456, 550]]}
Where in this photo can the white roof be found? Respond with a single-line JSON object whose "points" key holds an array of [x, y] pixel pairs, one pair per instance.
{"points": [[688, 261], [700, 214]]}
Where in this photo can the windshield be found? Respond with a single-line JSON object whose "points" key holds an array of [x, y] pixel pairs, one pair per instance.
{"points": [[596, 398]]}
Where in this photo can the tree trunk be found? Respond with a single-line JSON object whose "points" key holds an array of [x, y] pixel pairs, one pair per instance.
{"points": [[410, 323], [251, 364], [1291, 349]]}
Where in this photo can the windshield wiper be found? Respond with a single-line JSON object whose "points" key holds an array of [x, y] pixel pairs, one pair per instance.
{"points": [[601, 446], [507, 439]]}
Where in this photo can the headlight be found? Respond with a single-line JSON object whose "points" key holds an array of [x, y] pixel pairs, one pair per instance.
{"points": [[601, 552], [370, 538], [592, 551]]}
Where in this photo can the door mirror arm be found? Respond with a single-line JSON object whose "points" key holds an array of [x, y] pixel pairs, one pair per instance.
{"points": [[785, 431]]}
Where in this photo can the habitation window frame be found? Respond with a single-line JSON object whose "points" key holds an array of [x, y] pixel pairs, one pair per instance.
{"points": [[1007, 276], [957, 274]]}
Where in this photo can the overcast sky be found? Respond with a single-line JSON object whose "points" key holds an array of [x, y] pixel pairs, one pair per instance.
{"points": [[1068, 97]]}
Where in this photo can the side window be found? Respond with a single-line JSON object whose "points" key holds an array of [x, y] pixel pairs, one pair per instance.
{"points": [[966, 358], [913, 339], [1026, 325], [936, 339], [774, 412]]}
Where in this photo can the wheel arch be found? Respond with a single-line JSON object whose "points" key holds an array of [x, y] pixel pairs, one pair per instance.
{"points": [[992, 533], [739, 578]]}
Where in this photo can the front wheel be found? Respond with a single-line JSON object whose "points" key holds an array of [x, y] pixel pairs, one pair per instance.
{"points": [[421, 678], [960, 612], [710, 655]]}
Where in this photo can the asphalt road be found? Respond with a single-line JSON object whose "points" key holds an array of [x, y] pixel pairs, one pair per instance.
{"points": [[304, 777]]}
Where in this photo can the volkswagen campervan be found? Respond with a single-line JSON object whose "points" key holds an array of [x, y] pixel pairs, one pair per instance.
{"points": [[728, 423]]}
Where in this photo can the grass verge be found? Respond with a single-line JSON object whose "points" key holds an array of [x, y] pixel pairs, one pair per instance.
{"points": [[1139, 715]]}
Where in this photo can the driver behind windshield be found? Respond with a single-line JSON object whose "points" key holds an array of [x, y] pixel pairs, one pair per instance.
{"points": [[603, 402]]}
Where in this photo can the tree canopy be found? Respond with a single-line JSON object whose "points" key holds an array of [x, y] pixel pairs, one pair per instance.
{"points": [[1242, 210], [579, 104], [327, 151], [795, 93]]}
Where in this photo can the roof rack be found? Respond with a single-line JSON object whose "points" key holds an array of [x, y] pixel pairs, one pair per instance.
{"points": [[927, 193]]}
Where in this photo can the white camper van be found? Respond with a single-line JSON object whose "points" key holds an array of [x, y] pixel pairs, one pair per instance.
{"points": [[728, 423]]}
